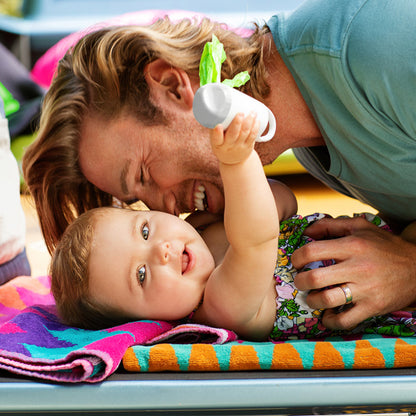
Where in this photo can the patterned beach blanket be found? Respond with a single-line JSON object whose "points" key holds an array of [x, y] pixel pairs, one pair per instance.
{"points": [[34, 343]]}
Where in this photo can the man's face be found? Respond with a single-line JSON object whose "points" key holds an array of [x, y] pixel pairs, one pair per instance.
{"points": [[170, 168]]}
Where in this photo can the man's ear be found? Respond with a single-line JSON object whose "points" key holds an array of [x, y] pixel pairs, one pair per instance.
{"points": [[170, 83]]}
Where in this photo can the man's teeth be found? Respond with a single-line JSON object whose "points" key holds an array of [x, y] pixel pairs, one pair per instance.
{"points": [[200, 198]]}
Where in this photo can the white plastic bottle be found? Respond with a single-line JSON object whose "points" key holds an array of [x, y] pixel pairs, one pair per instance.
{"points": [[217, 103]]}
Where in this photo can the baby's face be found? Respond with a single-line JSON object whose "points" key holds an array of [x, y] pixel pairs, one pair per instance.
{"points": [[148, 264]]}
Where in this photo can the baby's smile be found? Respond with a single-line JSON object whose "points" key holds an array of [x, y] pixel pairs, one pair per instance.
{"points": [[187, 261]]}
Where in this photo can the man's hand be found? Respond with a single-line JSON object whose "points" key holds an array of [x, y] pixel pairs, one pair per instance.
{"points": [[378, 267]]}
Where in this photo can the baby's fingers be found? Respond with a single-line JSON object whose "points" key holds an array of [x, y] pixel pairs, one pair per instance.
{"points": [[235, 129], [249, 129], [217, 136], [243, 129]]}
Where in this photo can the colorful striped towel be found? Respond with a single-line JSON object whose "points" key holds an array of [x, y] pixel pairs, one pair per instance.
{"points": [[369, 351]]}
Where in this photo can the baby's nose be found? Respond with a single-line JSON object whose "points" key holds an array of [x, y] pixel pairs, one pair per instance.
{"points": [[164, 253]]}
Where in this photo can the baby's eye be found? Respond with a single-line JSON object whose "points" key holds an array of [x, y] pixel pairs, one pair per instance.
{"points": [[145, 231], [141, 275]]}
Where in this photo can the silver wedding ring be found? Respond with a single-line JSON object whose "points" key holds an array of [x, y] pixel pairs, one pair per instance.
{"points": [[347, 293]]}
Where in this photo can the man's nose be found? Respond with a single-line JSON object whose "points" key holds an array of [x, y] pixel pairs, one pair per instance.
{"points": [[151, 199], [156, 199]]}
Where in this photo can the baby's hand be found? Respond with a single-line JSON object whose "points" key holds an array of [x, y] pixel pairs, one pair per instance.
{"points": [[237, 142]]}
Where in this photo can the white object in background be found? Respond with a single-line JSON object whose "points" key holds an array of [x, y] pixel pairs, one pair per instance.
{"points": [[217, 103], [12, 219]]}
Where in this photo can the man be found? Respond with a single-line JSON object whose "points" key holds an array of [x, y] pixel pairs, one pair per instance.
{"points": [[118, 122]]}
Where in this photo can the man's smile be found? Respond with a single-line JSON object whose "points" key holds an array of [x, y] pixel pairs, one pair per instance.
{"points": [[200, 198]]}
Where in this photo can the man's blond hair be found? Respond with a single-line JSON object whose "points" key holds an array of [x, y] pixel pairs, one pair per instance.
{"points": [[104, 73]]}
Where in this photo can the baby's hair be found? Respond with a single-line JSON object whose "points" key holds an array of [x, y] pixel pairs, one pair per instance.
{"points": [[70, 276]]}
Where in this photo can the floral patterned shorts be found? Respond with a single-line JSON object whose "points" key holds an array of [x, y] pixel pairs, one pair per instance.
{"points": [[294, 318]]}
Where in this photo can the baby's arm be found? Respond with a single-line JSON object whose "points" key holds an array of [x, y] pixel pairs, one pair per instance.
{"points": [[238, 294]]}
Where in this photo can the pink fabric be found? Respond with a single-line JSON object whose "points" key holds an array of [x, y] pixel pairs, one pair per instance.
{"points": [[44, 69], [33, 342]]}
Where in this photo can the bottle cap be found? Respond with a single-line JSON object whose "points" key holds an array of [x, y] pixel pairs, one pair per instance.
{"points": [[211, 105]]}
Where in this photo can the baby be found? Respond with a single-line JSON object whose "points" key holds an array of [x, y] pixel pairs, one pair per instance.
{"points": [[116, 265]]}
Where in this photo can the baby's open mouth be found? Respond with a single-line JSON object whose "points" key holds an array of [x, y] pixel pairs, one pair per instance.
{"points": [[185, 261], [200, 199]]}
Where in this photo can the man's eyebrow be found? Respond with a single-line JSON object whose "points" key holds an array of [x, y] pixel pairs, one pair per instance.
{"points": [[123, 175]]}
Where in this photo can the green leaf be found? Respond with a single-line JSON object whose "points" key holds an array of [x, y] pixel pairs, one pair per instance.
{"points": [[210, 64], [212, 58], [239, 80]]}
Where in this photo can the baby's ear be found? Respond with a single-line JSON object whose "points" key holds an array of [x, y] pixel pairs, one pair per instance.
{"points": [[168, 82]]}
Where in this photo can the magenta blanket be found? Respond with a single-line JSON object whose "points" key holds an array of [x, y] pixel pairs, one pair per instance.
{"points": [[34, 343]]}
